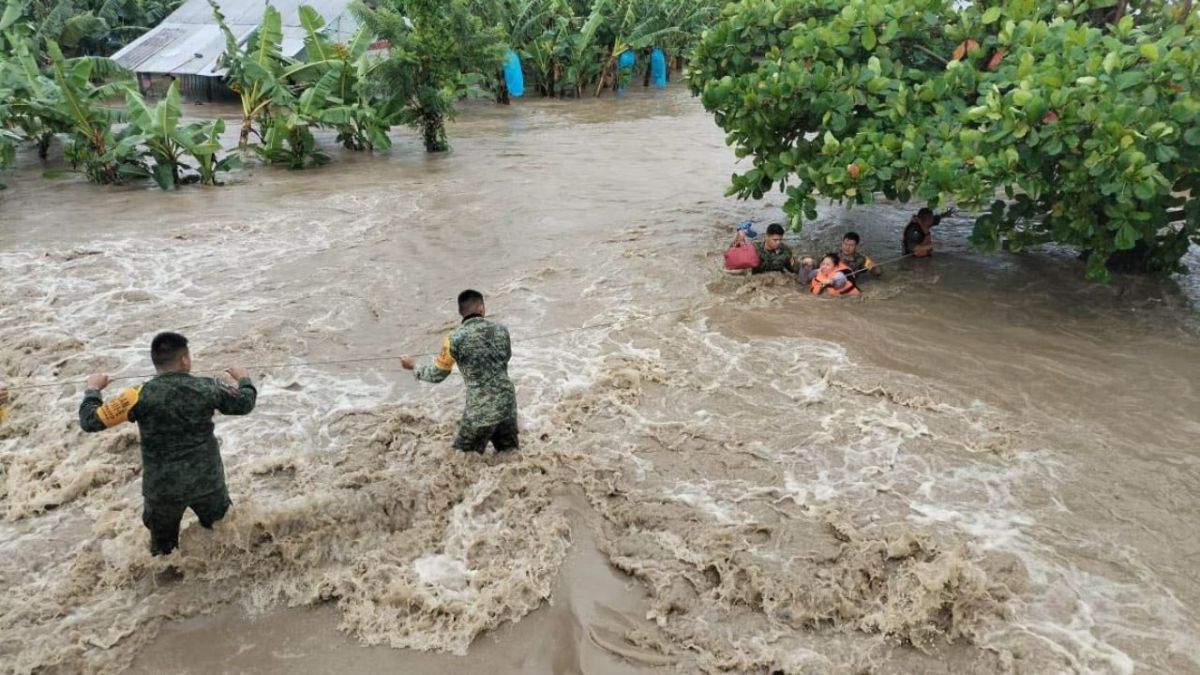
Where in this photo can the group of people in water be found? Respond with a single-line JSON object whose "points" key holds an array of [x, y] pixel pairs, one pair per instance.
{"points": [[838, 273], [181, 459]]}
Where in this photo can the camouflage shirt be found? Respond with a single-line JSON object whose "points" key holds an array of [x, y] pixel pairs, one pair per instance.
{"points": [[780, 260], [181, 459], [482, 350], [858, 263]]}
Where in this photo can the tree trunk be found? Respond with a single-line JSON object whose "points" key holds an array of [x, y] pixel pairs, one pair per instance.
{"points": [[433, 128], [244, 136], [502, 90]]}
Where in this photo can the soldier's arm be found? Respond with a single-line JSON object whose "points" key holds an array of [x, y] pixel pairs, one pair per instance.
{"points": [[238, 400], [97, 415], [875, 270], [441, 367]]}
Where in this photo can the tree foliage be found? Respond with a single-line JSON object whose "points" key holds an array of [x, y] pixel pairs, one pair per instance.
{"points": [[1085, 114], [438, 53], [91, 27], [48, 95], [571, 46]]}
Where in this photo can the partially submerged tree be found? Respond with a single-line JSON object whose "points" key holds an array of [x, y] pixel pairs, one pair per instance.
{"points": [[438, 52], [336, 91], [1084, 113], [255, 72]]}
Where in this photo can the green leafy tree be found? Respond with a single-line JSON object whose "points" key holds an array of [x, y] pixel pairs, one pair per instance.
{"points": [[77, 105], [167, 145], [1083, 113], [90, 27], [335, 86], [255, 72], [288, 140], [638, 25], [203, 142], [439, 51]]}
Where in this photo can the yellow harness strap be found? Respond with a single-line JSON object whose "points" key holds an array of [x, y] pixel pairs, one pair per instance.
{"points": [[116, 409], [445, 360]]}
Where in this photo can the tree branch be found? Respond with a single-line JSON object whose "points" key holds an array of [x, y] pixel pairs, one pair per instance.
{"points": [[930, 52]]}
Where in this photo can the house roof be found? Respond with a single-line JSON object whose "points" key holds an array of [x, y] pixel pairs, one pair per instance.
{"points": [[189, 42]]}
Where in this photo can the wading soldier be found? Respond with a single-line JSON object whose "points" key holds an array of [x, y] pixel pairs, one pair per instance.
{"points": [[181, 459], [482, 350]]}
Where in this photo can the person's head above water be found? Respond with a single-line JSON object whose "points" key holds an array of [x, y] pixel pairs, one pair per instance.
{"points": [[470, 302], [774, 237], [925, 217], [850, 244], [170, 354], [830, 262]]}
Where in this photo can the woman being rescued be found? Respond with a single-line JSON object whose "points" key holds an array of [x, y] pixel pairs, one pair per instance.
{"points": [[832, 277]]}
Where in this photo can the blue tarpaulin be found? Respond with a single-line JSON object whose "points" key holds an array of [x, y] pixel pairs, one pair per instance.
{"points": [[624, 67], [514, 79], [658, 68]]}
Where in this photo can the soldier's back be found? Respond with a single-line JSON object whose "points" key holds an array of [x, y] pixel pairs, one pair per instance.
{"points": [[175, 414], [482, 350]]}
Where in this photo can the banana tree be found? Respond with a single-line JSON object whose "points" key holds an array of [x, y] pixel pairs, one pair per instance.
{"points": [[156, 132], [89, 27], [203, 142], [335, 92], [24, 84], [90, 140], [546, 54], [255, 72], [585, 50], [522, 23], [642, 23], [289, 140]]}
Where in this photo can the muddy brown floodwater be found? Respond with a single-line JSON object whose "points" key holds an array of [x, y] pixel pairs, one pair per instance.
{"points": [[985, 465]]}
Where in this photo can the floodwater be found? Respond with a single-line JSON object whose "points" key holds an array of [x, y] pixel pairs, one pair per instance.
{"points": [[985, 465]]}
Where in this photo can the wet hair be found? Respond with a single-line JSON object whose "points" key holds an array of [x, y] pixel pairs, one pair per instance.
{"points": [[775, 229], [832, 256], [469, 301], [166, 348], [852, 236], [926, 211]]}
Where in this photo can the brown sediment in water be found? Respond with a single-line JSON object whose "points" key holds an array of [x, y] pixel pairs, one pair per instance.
{"points": [[953, 474]]}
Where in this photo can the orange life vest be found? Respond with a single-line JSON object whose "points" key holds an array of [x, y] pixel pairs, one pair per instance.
{"points": [[823, 283]]}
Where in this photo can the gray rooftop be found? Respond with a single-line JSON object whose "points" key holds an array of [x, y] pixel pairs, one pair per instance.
{"points": [[188, 42]]}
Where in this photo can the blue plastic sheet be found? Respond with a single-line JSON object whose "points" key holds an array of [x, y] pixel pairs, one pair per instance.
{"points": [[626, 60], [514, 79], [658, 68]]}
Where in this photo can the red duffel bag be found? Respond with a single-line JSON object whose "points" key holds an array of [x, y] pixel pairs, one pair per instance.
{"points": [[742, 256]]}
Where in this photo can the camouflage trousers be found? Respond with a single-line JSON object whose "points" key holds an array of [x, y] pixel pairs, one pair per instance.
{"points": [[162, 517], [475, 438]]}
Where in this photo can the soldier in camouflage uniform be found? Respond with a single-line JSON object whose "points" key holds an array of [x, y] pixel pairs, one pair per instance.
{"points": [[773, 254], [181, 459], [482, 350], [855, 259]]}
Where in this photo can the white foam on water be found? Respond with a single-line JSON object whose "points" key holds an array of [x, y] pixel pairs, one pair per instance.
{"points": [[442, 570]]}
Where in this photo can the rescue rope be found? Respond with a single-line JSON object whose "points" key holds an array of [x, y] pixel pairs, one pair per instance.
{"points": [[377, 359]]}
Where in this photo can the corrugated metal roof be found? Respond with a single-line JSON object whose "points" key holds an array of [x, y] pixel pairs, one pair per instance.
{"points": [[189, 42]]}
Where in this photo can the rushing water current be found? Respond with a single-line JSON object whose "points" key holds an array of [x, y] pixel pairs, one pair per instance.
{"points": [[984, 465]]}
